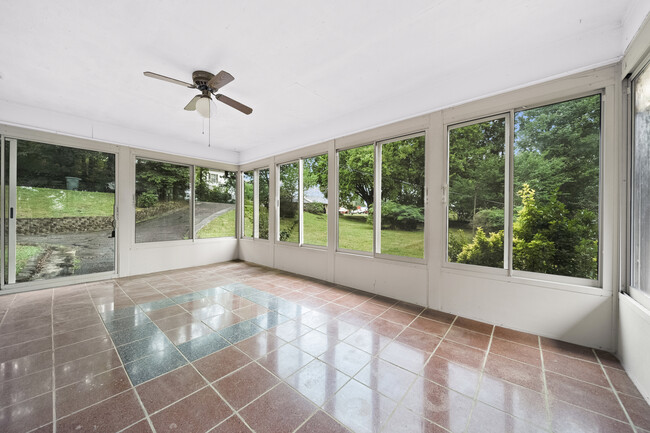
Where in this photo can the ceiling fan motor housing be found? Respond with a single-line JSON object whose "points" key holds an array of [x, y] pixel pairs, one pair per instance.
{"points": [[201, 79]]}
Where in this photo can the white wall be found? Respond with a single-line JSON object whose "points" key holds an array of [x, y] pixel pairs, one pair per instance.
{"points": [[579, 314]]}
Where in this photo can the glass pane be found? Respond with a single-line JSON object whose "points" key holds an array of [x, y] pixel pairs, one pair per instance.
{"points": [[248, 203], [475, 214], [314, 182], [402, 197], [556, 188], [214, 202], [264, 203], [289, 203], [356, 194], [641, 184], [162, 200], [6, 215], [64, 214]]}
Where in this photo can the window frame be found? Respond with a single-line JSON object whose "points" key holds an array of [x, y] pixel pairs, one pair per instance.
{"points": [[377, 173], [300, 199], [256, 204], [635, 292], [508, 273]]}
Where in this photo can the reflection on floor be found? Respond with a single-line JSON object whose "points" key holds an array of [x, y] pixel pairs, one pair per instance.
{"points": [[235, 347]]}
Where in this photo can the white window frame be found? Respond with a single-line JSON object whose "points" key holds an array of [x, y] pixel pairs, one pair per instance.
{"points": [[256, 204], [376, 226], [508, 273]]}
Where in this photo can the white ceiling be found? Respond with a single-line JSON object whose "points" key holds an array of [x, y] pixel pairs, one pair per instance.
{"points": [[311, 70]]}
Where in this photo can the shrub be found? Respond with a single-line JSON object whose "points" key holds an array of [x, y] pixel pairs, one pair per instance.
{"points": [[490, 220], [484, 250], [457, 240], [315, 208], [147, 199], [400, 216]]}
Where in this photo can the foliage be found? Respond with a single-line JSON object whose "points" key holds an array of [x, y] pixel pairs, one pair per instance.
{"points": [[490, 220], [356, 176], [401, 217], [545, 239], [315, 208], [402, 172], [289, 185], [147, 199], [169, 182], [457, 240], [484, 250], [315, 173], [222, 192], [47, 166]]}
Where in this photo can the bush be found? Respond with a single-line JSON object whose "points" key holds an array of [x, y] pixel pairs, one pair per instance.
{"points": [[147, 199], [490, 220], [315, 208], [457, 240], [484, 250], [401, 217]]}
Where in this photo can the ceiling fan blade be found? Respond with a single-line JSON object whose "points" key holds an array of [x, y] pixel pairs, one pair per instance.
{"points": [[234, 104], [220, 80], [170, 80], [191, 106]]}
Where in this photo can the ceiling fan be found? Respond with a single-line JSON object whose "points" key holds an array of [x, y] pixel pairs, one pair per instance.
{"points": [[208, 84]]}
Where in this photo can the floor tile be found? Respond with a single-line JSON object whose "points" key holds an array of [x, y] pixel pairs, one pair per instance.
{"points": [[315, 343], [156, 305], [77, 323], [202, 346], [25, 349], [222, 321], [176, 321], [451, 375], [516, 336], [317, 381], [87, 367], [82, 349], [281, 410], [384, 327], [321, 422], [187, 332], [29, 364], [127, 323], [368, 341], [418, 339], [133, 334], [518, 352], [622, 382], [575, 368], [168, 311], [430, 326], [638, 410], [26, 415], [260, 344], [338, 329], [568, 349], [219, 364], [405, 421], [154, 365], [390, 380], [441, 405], [245, 385], [269, 320], [405, 356], [139, 427], [140, 348], [515, 372], [360, 408], [120, 313], [398, 316], [585, 395], [468, 338], [84, 393], [240, 331], [567, 418], [234, 424], [514, 399], [168, 388], [25, 387], [198, 413], [285, 361], [23, 336], [473, 325], [114, 414], [290, 330], [208, 311], [346, 358], [461, 354], [438, 316], [486, 419]]}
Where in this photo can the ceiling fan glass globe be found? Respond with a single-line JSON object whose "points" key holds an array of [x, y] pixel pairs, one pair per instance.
{"points": [[203, 107]]}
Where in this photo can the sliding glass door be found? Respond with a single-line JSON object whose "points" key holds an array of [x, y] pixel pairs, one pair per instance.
{"points": [[59, 211]]}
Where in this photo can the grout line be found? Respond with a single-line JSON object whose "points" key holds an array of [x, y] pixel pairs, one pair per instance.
{"points": [[547, 400], [618, 398], [480, 380], [53, 370]]}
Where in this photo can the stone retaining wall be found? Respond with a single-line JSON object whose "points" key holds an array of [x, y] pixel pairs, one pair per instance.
{"points": [[43, 226]]}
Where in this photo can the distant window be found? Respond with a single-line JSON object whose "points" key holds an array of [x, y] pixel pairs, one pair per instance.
{"points": [[162, 197], [314, 175], [214, 204], [249, 200], [289, 203]]}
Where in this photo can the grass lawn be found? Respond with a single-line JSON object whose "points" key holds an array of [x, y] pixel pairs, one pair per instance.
{"points": [[23, 254], [356, 234], [219, 227], [315, 228], [58, 203]]}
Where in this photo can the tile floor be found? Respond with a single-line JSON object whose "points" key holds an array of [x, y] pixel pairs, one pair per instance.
{"points": [[235, 347]]}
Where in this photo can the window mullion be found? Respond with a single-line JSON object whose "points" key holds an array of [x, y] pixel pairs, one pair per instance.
{"points": [[509, 192], [256, 204], [377, 201], [301, 236]]}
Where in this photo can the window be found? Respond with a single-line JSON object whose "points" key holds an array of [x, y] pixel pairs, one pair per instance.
{"points": [[402, 197], [214, 203], [396, 209], [249, 192], [289, 203], [256, 203], [162, 200], [553, 227], [314, 180], [640, 259], [356, 196], [476, 192]]}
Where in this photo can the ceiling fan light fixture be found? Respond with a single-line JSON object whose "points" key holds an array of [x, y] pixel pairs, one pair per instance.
{"points": [[203, 106]]}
